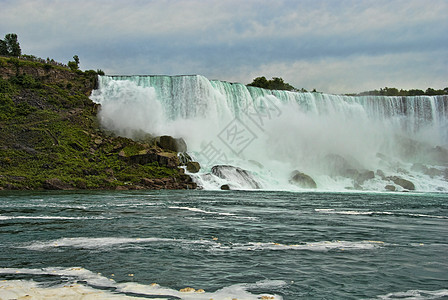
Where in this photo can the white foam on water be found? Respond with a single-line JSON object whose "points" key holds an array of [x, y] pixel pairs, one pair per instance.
{"points": [[28, 289], [360, 212], [137, 204], [416, 295], [350, 212], [193, 209], [312, 246], [197, 210], [50, 218], [104, 242], [13, 289], [426, 216], [211, 244], [319, 246], [237, 291]]}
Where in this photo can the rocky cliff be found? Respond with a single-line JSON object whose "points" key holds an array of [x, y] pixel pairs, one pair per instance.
{"points": [[50, 137]]}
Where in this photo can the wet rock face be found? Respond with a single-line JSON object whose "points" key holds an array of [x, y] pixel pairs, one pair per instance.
{"points": [[390, 188], [193, 167], [56, 184], [236, 175], [302, 180], [225, 187], [184, 182], [404, 183], [169, 143], [165, 159]]}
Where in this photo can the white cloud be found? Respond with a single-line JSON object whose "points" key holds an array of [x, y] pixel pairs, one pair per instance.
{"points": [[336, 46], [362, 73]]}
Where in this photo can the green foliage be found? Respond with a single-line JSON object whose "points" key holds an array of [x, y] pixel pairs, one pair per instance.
{"points": [[74, 65], [6, 107], [413, 92], [10, 45], [48, 67], [26, 81], [5, 86], [276, 83], [133, 149], [3, 48], [48, 129]]}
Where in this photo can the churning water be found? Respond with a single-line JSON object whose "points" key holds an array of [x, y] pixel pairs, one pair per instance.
{"points": [[233, 245]]}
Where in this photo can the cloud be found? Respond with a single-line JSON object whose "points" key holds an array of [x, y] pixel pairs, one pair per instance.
{"points": [[233, 39], [362, 72]]}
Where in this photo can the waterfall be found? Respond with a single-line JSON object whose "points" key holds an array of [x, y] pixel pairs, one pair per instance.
{"points": [[332, 138]]}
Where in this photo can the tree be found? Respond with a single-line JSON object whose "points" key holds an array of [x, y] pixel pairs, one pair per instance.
{"points": [[10, 45], [3, 48], [76, 58], [74, 65], [276, 83], [260, 82]]}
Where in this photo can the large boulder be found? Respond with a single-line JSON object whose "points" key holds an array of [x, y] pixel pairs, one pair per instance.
{"points": [[225, 187], [404, 183], [235, 175], [169, 143], [302, 180], [193, 167], [390, 188]]}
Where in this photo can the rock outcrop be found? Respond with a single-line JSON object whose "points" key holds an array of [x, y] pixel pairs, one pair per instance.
{"points": [[49, 126], [235, 175], [169, 143], [184, 182], [225, 187], [390, 188], [404, 183], [193, 167], [302, 180], [166, 159], [56, 184]]}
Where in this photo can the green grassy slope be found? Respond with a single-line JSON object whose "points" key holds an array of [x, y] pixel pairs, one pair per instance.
{"points": [[50, 139]]}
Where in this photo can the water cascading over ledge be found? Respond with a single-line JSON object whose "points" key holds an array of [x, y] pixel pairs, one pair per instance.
{"points": [[341, 142]]}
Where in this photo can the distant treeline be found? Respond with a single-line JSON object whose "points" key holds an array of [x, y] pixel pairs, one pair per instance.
{"points": [[396, 92], [277, 83]]}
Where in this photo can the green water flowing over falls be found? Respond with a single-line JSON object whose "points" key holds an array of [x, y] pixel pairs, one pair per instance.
{"points": [[341, 142], [232, 244]]}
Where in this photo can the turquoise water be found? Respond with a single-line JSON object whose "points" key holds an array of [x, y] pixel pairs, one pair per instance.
{"points": [[235, 244]]}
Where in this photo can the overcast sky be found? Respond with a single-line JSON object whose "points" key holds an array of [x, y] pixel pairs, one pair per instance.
{"points": [[334, 46]]}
